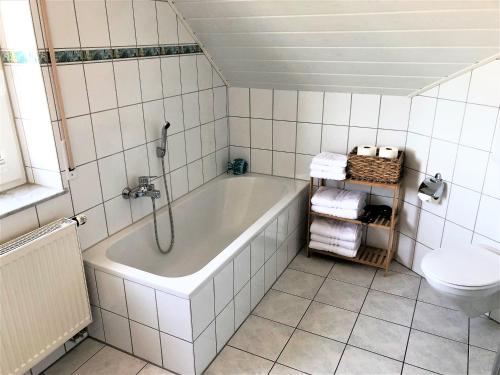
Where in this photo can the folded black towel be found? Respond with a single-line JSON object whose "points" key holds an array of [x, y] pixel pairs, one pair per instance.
{"points": [[372, 212]]}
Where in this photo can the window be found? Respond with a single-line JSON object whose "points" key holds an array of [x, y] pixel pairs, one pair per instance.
{"points": [[12, 171]]}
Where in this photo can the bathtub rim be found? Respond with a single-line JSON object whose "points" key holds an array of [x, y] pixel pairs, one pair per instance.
{"points": [[187, 286]]}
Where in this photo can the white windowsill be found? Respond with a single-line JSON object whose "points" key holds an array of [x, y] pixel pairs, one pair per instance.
{"points": [[24, 196]]}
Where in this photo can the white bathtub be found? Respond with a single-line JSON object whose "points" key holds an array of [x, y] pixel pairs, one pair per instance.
{"points": [[233, 237]]}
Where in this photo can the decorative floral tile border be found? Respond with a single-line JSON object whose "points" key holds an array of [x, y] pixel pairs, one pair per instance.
{"points": [[82, 55]]}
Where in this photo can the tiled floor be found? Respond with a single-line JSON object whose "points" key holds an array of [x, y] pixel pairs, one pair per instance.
{"points": [[325, 317]]}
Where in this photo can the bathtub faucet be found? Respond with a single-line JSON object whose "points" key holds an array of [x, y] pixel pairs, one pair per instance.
{"points": [[145, 189]]}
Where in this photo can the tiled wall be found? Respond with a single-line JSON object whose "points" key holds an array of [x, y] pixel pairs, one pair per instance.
{"points": [[449, 129], [184, 335], [116, 105]]}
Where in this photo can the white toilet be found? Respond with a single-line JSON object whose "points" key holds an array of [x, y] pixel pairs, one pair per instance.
{"points": [[468, 275]]}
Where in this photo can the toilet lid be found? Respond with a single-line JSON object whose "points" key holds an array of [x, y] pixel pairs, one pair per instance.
{"points": [[465, 266]]}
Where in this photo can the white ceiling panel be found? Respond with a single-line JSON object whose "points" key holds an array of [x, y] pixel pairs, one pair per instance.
{"points": [[377, 46]]}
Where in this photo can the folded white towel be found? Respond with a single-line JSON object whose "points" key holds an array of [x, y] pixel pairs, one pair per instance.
{"points": [[330, 159], [339, 212], [336, 229], [333, 249], [326, 169], [332, 197], [328, 175], [336, 242]]}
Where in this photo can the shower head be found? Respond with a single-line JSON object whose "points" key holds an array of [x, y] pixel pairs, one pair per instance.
{"points": [[162, 149]]}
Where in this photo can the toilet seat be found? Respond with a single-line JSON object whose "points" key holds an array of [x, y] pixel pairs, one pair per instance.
{"points": [[465, 267]]}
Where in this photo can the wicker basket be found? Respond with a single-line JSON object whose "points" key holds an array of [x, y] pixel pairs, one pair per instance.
{"points": [[374, 168]]}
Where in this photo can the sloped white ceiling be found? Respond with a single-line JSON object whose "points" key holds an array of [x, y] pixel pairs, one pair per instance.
{"points": [[380, 46]]}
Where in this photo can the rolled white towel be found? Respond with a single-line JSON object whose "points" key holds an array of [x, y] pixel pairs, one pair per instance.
{"points": [[332, 197], [328, 175], [333, 249], [336, 242], [342, 230], [330, 159], [339, 212]]}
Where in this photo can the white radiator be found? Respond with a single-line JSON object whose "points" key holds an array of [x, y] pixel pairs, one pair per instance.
{"points": [[43, 295]]}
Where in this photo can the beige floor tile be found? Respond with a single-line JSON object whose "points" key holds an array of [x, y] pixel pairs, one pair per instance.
{"points": [[436, 354], [389, 307], [328, 321], [316, 264], [381, 337], [398, 267], [412, 370], [282, 307], [353, 273], [311, 353], [298, 283], [232, 361], [441, 321], [480, 361], [360, 362], [154, 370], [340, 294], [485, 333], [283, 370], [261, 337], [429, 295], [396, 283], [111, 361], [75, 358]]}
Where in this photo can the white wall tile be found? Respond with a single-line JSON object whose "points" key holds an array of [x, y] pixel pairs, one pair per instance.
{"points": [[145, 22], [409, 220], [209, 167], [132, 126], [302, 163], [308, 138], [206, 99], [223, 284], [151, 79], [270, 234], [193, 144], [191, 110], [202, 308], [85, 188], [391, 138], [167, 25], [239, 153], [204, 72], [55, 208], [174, 114], [220, 107], [283, 164], [448, 121], [171, 75], [81, 137], [422, 115], [257, 249], [261, 103], [184, 35], [205, 349], [420, 252], [189, 74], [455, 89], [463, 206], [430, 229], [394, 112], [310, 107], [479, 126], [154, 119], [195, 174], [455, 236], [118, 214], [128, 87], [141, 303], [135, 161], [241, 269], [176, 150], [281, 259], [337, 108], [207, 138], [62, 21], [261, 133], [111, 293], [334, 139], [417, 151], [470, 168], [92, 23], [406, 248], [285, 105], [361, 136], [239, 101], [261, 161], [492, 179], [239, 131], [95, 329], [284, 133], [100, 86], [224, 326], [241, 305], [442, 158], [113, 175], [107, 133], [146, 342], [485, 85], [121, 22], [95, 229], [365, 110], [174, 315], [270, 272], [73, 89], [178, 355], [487, 222], [221, 133], [179, 182], [257, 286]]}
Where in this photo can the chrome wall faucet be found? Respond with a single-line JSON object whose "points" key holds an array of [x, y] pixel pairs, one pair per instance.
{"points": [[145, 189]]}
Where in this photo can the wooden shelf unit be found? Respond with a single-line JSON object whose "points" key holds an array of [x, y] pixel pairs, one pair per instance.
{"points": [[376, 257]]}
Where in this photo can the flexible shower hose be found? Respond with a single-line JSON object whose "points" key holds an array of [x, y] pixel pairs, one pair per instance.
{"points": [[169, 204]]}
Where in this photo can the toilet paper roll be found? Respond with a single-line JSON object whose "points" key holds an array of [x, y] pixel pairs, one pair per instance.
{"points": [[388, 152], [424, 197], [367, 150]]}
